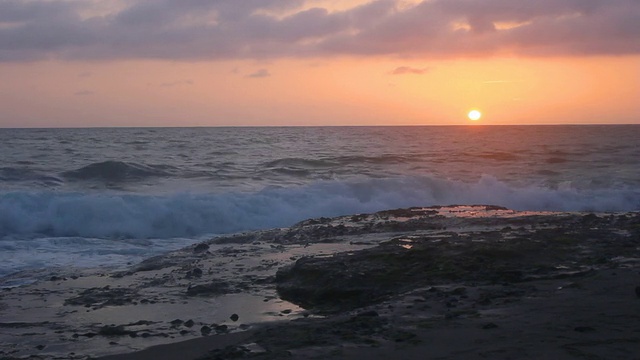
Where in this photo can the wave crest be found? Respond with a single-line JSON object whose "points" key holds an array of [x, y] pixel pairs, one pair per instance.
{"points": [[117, 171], [187, 215]]}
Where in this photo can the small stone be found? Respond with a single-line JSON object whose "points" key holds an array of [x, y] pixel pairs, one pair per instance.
{"points": [[177, 322], [222, 328], [194, 273], [205, 330], [112, 330], [286, 311], [40, 347], [200, 248], [234, 317], [189, 323]]}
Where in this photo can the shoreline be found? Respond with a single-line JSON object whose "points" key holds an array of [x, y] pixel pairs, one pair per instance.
{"points": [[438, 282]]}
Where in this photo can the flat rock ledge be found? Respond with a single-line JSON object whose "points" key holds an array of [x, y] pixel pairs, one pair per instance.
{"points": [[512, 249]]}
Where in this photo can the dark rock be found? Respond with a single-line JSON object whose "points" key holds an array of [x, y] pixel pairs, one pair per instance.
{"points": [[40, 347], [141, 322], [234, 317], [189, 323], [205, 330], [88, 335], [214, 288], [113, 330], [221, 328], [194, 273], [200, 248], [350, 280], [177, 322], [153, 263]]}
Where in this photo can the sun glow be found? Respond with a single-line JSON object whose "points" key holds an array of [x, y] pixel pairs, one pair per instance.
{"points": [[474, 115]]}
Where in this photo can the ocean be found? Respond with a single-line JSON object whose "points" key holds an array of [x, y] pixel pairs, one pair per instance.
{"points": [[113, 196]]}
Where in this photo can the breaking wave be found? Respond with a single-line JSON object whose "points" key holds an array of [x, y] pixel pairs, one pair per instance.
{"points": [[122, 216]]}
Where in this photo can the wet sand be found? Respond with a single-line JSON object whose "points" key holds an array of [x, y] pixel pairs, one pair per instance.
{"points": [[460, 282]]}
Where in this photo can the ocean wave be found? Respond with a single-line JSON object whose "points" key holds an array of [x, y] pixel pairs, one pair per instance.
{"points": [[498, 156], [101, 215], [117, 171], [12, 174], [300, 163], [381, 159]]}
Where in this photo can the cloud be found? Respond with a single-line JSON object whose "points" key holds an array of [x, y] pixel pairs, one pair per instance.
{"points": [[402, 70], [262, 73], [262, 29]]}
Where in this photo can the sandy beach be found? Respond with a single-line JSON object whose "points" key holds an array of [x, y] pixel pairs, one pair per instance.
{"points": [[456, 282]]}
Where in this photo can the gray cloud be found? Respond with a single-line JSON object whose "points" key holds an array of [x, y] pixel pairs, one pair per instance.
{"points": [[402, 70], [258, 29], [262, 73]]}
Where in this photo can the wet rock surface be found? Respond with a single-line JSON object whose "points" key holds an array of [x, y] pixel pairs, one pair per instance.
{"points": [[389, 281], [100, 297], [576, 246]]}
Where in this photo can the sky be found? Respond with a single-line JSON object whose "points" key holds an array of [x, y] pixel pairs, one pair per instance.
{"points": [[96, 63]]}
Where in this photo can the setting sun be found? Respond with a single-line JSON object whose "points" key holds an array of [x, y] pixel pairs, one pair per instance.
{"points": [[474, 115]]}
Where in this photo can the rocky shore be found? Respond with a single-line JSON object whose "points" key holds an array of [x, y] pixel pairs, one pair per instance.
{"points": [[455, 282]]}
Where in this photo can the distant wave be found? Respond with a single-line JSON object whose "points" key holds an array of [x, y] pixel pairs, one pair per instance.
{"points": [[340, 161], [117, 171], [55, 214], [499, 156], [299, 162], [11, 174]]}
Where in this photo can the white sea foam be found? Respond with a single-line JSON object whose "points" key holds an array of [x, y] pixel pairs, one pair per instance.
{"points": [[125, 216]]}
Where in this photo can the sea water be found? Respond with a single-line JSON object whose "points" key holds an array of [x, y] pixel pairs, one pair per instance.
{"points": [[112, 196]]}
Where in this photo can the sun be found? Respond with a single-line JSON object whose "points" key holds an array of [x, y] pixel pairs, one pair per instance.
{"points": [[474, 115]]}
